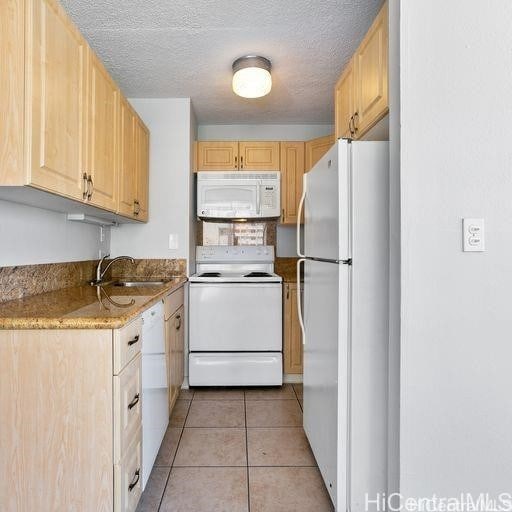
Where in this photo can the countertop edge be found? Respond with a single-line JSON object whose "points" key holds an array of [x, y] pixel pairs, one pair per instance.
{"points": [[77, 323]]}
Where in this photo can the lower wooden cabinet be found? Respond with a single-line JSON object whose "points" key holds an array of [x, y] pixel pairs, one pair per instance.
{"points": [[176, 330], [175, 343], [292, 336], [128, 476], [71, 419]]}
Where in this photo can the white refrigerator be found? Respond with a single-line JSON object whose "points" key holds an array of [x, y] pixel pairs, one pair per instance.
{"points": [[345, 319]]}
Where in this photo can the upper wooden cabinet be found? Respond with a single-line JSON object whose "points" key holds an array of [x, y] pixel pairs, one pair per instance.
{"points": [[344, 103], [103, 144], [292, 171], [217, 155], [127, 166], [55, 101], [142, 170], [258, 155], [361, 93], [65, 129], [371, 70], [316, 149], [238, 155]]}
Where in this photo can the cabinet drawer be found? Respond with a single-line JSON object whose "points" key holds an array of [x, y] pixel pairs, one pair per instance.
{"points": [[127, 406], [127, 344], [128, 477], [173, 301]]}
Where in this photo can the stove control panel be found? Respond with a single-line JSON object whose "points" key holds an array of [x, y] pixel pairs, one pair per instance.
{"points": [[238, 253]]}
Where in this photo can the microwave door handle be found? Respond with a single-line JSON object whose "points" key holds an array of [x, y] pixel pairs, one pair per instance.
{"points": [[258, 199]]}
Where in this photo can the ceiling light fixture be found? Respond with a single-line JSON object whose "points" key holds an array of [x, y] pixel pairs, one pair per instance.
{"points": [[251, 76]]}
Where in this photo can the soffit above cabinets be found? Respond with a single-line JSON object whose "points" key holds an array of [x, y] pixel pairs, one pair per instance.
{"points": [[184, 48]]}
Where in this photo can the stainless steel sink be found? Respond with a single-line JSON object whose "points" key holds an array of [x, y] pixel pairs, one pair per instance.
{"points": [[130, 284]]}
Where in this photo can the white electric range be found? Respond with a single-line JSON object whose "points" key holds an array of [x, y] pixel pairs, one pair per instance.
{"points": [[235, 317]]}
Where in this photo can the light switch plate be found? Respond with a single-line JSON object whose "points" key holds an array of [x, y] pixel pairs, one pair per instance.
{"points": [[473, 235]]}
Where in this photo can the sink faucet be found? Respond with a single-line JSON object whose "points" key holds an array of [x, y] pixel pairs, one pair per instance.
{"points": [[100, 273]]}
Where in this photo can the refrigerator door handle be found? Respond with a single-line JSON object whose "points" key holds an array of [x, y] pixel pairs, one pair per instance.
{"points": [[299, 216], [299, 306]]}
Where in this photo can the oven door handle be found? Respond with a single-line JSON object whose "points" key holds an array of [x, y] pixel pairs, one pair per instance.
{"points": [[299, 306]]}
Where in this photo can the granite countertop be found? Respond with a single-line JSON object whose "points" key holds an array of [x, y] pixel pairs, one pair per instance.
{"points": [[83, 307]]}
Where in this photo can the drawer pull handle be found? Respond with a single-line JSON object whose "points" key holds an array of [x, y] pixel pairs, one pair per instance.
{"points": [[134, 402], [132, 342], [177, 322], [135, 480]]}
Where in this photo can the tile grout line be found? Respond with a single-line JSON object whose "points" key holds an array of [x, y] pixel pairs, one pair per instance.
{"points": [[247, 456], [175, 453]]}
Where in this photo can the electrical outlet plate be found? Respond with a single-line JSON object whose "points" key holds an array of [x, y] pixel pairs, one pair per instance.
{"points": [[473, 235], [173, 241]]}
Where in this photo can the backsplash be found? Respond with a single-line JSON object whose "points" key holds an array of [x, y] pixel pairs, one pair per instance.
{"points": [[161, 268], [236, 233], [21, 281]]}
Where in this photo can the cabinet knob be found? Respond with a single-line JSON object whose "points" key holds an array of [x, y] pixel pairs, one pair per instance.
{"points": [[134, 340], [90, 187], [236, 162], [85, 184], [134, 402], [135, 480], [241, 162]]}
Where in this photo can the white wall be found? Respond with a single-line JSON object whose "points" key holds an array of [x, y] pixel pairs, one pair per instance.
{"points": [[286, 235], [263, 131], [169, 121], [394, 250], [456, 161], [30, 235], [192, 195]]}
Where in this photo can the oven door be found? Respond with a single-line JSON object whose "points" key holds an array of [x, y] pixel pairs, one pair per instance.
{"points": [[228, 199], [235, 317]]}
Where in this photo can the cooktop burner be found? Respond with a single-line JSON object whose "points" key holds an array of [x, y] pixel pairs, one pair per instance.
{"points": [[258, 274], [210, 274]]}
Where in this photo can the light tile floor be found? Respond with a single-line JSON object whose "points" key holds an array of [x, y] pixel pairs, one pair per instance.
{"points": [[235, 450]]}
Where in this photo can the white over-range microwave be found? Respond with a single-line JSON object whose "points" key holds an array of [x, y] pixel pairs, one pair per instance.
{"points": [[238, 195]]}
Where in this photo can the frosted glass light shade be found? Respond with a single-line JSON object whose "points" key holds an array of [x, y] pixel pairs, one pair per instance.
{"points": [[251, 77]]}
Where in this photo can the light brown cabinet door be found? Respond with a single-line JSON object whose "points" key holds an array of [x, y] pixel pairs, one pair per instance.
{"points": [[371, 75], [259, 155], [175, 340], [127, 164], [316, 149], [344, 103], [103, 135], [292, 333], [56, 100], [142, 170], [292, 171], [217, 155]]}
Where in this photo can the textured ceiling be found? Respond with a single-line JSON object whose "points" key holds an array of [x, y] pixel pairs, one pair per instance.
{"points": [[178, 48]]}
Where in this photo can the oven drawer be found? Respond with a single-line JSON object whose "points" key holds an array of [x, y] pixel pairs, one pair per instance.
{"points": [[235, 317], [236, 369]]}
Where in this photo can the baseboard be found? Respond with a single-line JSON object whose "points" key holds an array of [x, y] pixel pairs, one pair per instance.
{"points": [[292, 378]]}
